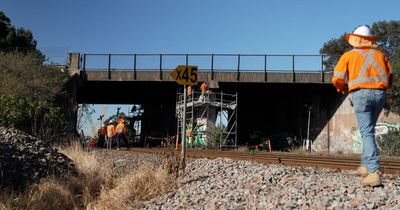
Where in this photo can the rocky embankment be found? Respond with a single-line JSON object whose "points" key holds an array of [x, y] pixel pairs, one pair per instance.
{"points": [[25, 159]]}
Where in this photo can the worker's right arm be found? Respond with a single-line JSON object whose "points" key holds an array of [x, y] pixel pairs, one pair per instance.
{"points": [[339, 75]]}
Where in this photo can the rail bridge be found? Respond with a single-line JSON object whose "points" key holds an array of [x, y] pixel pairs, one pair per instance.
{"points": [[275, 92]]}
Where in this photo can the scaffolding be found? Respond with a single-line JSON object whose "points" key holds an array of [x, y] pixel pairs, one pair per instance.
{"points": [[211, 119]]}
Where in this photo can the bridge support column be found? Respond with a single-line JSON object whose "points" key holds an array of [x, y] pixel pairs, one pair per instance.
{"points": [[73, 64], [72, 88]]}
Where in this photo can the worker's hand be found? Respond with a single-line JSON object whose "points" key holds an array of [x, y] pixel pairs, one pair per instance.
{"points": [[343, 90]]}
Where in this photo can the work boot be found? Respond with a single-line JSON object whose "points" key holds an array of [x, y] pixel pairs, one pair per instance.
{"points": [[362, 171], [371, 180]]}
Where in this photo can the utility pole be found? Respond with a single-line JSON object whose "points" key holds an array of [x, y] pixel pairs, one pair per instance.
{"points": [[308, 141], [119, 108], [183, 151], [101, 119]]}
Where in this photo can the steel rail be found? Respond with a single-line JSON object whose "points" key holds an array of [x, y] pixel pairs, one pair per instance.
{"points": [[388, 166]]}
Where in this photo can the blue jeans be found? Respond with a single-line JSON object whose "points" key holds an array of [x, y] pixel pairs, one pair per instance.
{"points": [[368, 104]]}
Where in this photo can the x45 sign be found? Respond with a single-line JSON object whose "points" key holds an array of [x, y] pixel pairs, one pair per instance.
{"points": [[185, 75]]}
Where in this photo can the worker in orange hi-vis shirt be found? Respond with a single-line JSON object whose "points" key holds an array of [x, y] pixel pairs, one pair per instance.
{"points": [[365, 73], [204, 91], [110, 134], [101, 133], [121, 131]]}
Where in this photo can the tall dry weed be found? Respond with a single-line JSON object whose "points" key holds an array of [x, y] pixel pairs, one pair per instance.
{"points": [[94, 176], [137, 186], [94, 187], [10, 200], [298, 150], [50, 194]]}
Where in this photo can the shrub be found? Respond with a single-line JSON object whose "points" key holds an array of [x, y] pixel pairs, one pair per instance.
{"points": [[36, 117], [216, 136], [390, 143]]}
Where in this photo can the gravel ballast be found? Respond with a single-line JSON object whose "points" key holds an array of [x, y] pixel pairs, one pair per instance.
{"points": [[231, 184]]}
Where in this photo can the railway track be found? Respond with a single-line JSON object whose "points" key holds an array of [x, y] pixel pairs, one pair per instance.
{"points": [[388, 166]]}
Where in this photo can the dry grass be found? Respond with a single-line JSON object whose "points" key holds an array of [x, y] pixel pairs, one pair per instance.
{"points": [[298, 150], [243, 148], [50, 194], [133, 188], [94, 188], [94, 178]]}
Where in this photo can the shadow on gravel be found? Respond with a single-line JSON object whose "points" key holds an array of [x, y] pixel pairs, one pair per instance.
{"points": [[200, 178]]}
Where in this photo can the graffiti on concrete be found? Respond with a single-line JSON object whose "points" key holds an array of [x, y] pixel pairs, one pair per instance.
{"points": [[380, 129]]}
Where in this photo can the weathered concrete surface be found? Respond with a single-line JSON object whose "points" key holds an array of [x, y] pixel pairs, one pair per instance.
{"points": [[73, 64], [341, 133], [247, 77]]}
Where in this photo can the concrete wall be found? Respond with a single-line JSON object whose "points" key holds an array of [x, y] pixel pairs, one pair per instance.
{"points": [[341, 133]]}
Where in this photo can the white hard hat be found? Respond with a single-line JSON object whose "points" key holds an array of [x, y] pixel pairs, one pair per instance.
{"points": [[363, 30], [361, 37]]}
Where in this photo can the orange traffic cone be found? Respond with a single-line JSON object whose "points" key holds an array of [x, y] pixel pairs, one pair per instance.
{"points": [[177, 142], [269, 146]]}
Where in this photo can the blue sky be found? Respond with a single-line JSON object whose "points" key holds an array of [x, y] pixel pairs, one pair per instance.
{"points": [[191, 26]]}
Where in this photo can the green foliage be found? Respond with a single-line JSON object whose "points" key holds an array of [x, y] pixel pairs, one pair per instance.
{"points": [[24, 75], [216, 136], [13, 112], [294, 142], [28, 88], [388, 37], [390, 143], [332, 50], [37, 117]]}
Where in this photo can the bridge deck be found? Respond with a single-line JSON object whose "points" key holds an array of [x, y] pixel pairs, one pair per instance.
{"points": [[247, 77]]}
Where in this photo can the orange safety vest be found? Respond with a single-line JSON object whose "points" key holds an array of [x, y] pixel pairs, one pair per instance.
{"points": [[204, 87], [101, 131], [110, 131], [120, 128], [363, 68]]}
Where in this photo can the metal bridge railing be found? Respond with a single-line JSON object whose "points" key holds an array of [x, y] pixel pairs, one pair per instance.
{"points": [[290, 63]]}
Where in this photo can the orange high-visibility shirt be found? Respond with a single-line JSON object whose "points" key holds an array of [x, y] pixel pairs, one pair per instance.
{"points": [[120, 128], [363, 68], [110, 131], [204, 87], [101, 131]]}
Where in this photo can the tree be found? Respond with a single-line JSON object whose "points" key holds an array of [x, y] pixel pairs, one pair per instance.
{"points": [[28, 88], [16, 40], [388, 39], [332, 50], [28, 91], [24, 75]]}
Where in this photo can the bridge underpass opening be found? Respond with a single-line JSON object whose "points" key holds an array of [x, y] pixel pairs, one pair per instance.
{"points": [[156, 102], [275, 111], [279, 112], [93, 120]]}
